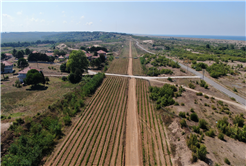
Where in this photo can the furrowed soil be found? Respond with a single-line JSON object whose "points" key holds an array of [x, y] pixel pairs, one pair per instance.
{"points": [[120, 65], [98, 137], [155, 148]]}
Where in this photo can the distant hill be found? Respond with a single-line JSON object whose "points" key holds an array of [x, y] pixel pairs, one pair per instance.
{"points": [[25, 36], [61, 36]]}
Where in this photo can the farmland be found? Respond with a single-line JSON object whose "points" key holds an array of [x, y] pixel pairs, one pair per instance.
{"points": [[155, 148], [98, 136], [136, 65], [120, 65]]}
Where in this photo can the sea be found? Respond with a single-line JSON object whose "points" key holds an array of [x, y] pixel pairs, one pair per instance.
{"points": [[208, 37]]}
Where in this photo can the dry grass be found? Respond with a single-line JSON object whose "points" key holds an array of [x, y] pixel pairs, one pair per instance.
{"points": [[120, 66], [23, 101]]}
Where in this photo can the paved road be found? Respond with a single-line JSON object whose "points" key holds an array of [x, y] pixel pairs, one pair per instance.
{"points": [[209, 81]]}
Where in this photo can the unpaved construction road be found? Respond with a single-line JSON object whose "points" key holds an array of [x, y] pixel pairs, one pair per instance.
{"points": [[132, 128]]}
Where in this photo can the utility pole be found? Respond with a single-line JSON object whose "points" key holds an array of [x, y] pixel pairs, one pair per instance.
{"points": [[203, 71]]}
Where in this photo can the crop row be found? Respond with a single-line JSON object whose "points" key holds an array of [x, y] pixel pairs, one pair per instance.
{"points": [[97, 136], [154, 144]]}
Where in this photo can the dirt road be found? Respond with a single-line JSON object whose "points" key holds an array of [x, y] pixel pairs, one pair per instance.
{"points": [[132, 128]]}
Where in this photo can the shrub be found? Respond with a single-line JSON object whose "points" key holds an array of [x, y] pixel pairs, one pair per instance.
{"points": [[182, 104], [234, 89], [227, 161], [194, 157], [194, 117], [192, 86], [221, 136], [206, 96], [183, 123], [67, 120], [199, 94], [203, 124], [220, 102], [232, 98], [169, 79], [196, 129], [64, 78], [238, 120], [176, 103], [210, 133], [202, 152], [213, 107], [182, 114], [192, 110]]}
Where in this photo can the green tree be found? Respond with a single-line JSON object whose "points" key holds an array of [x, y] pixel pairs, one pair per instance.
{"points": [[75, 77], [19, 54], [98, 62], [14, 52], [33, 77], [22, 63], [102, 57], [27, 51], [3, 55], [77, 59], [207, 46]]}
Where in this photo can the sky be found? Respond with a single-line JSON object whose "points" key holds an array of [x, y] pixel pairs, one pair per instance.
{"points": [[139, 17]]}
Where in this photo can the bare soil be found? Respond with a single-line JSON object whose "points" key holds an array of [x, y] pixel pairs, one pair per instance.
{"points": [[132, 129]]}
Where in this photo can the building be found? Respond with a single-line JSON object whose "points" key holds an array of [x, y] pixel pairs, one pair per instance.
{"points": [[34, 52], [50, 54], [101, 52], [67, 56], [22, 74], [49, 51], [88, 56], [8, 67], [95, 57], [61, 58], [8, 55]]}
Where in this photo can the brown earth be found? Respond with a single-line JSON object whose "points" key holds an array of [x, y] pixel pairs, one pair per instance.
{"points": [[132, 129]]}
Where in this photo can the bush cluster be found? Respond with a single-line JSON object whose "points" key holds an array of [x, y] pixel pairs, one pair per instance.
{"points": [[164, 95], [232, 131], [199, 151]]}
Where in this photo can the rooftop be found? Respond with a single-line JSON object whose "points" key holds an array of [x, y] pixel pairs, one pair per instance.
{"points": [[27, 69]]}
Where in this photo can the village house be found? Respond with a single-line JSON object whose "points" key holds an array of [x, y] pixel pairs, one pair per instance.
{"points": [[8, 67], [50, 54], [101, 52], [61, 58], [22, 74], [8, 55], [34, 52], [88, 56], [67, 56]]}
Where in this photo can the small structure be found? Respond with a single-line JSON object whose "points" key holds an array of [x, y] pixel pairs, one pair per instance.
{"points": [[8, 67], [67, 56], [61, 58], [88, 56], [95, 57], [8, 55], [101, 52], [22, 74], [50, 54], [50, 51], [34, 52]]}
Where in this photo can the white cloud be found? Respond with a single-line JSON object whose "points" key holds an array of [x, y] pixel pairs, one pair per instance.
{"points": [[8, 17], [33, 20], [19, 13], [63, 11], [82, 17], [100, 20], [43, 20], [53, 21], [89, 23], [64, 22], [41, 13]]}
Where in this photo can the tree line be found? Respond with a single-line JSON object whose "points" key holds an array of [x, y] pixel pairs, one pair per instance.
{"points": [[26, 44]]}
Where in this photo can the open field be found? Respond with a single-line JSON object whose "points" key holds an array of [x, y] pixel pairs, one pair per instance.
{"points": [[155, 147], [120, 66], [98, 137], [136, 65], [211, 111], [16, 102]]}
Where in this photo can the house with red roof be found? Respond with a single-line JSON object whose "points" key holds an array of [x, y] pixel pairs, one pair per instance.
{"points": [[88, 56], [101, 52], [67, 56], [22, 74], [50, 54], [8, 67], [8, 55], [34, 52], [61, 58]]}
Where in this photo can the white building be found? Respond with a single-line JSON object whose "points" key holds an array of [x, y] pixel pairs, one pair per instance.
{"points": [[22, 74], [8, 67]]}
